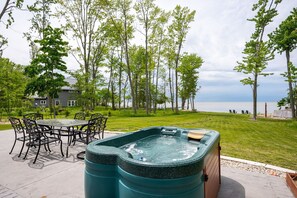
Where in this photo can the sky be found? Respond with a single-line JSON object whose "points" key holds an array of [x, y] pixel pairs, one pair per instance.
{"points": [[218, 35]]}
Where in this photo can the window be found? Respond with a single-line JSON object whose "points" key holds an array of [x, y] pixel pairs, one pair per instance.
{"points": [[57, 102], [71, 103], [42, 102]]}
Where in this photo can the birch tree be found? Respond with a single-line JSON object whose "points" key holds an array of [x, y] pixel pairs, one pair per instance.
{"points": [[147, 14], [121, 18], [182, 17], [257, 50], [85, 20], [284, 39]]}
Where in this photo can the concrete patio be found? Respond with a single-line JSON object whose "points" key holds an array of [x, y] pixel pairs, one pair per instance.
{"points": [[54, 176]]}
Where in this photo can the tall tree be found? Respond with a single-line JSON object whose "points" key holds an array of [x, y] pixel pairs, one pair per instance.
{"points": [[182, 17], [256, 50], [188, 69], [147, 14], [121, 18], [284, 39], [12, 84], [47, 67], [158, 41], [85, 20]]}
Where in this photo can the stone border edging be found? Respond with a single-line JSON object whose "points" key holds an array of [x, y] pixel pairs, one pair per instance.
{"points": [[268, 166]]}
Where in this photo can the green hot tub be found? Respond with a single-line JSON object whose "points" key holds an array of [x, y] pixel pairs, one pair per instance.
{"points": [[154, 162]]}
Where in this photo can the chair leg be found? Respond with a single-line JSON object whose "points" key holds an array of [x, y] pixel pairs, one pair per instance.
{"points": [[22, 149], [45, 147], [48, 147], [61, 148], [37, 154], [26, 152], [12, 146]]}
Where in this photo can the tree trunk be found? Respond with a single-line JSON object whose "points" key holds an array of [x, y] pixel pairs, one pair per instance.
{"points": [[128, 65], [120, 78], [291, 93], [255, 86], [171, 90], [147, 99], [157, 77], [176, 77]]}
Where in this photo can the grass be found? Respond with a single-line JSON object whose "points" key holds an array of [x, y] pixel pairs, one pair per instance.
{"points": [[264, 140], [5, 126]]}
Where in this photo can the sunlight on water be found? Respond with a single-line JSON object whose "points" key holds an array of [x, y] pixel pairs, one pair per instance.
{"points": [[160, 149]]}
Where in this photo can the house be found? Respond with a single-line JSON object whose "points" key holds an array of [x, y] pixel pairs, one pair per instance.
{"points": [[67, 96]]}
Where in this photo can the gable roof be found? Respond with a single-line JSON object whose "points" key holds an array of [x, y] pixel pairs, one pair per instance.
{"points": [[71, 81]]}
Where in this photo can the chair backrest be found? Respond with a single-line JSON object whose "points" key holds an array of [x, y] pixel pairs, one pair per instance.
{"points": [[31, 126], [103, 124], [38, 116], [91, 129], [96, 115], [80, 116], [33, 116], [92, 125], [16, 125]]}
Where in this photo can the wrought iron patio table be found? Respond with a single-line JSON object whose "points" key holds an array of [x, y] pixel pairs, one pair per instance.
{"points": [[65, 127]]}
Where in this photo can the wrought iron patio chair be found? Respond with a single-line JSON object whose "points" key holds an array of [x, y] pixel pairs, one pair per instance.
{"points": [[33, 116], [101, 127], [87, 134], [80, 116], [19, 133], [95, 115], [39, 136]]}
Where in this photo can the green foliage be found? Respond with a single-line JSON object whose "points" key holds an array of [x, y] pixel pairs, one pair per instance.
{"points": [[257, 52], [45, 70], [189, 75], [285, 36], [182, 17], [67, 113], [12, 85], [284, 39]]}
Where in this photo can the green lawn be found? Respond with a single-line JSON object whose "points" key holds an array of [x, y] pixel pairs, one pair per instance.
{"points": [[265, 140]]}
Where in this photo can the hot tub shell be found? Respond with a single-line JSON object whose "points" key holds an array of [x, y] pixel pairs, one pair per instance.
{"points": [[111, 172]]}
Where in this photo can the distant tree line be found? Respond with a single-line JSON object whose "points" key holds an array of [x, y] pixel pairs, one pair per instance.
{"points": [[147, 71], [128, 51]]}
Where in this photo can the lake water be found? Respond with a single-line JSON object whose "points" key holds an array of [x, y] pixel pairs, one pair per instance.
{"points": [[237, 106]]}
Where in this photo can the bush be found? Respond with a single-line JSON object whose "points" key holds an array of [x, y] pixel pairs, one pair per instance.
{"points": [[67, 113], [20, 112]]}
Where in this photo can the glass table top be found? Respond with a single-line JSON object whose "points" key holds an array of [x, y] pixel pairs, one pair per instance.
{"points": [[61, 122]]}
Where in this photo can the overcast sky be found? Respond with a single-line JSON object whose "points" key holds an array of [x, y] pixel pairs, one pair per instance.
{"points": [[218, 35]]}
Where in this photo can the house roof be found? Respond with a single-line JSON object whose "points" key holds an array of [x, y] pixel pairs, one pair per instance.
{"points": [[71, 81]]}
